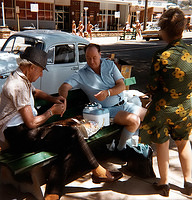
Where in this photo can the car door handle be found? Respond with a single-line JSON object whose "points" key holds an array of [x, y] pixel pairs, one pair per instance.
{"points": [[75, 68]]}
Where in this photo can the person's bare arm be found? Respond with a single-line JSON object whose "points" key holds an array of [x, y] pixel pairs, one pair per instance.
{"points": [[117, 89], [32, 121], [64, 89], [42, 95]]}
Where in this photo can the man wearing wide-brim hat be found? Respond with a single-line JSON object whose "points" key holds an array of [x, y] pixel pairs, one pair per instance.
{"points": [[20, 126]]}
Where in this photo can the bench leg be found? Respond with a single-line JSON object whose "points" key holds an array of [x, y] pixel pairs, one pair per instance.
{"points": [[6, 177], [33, 186]]}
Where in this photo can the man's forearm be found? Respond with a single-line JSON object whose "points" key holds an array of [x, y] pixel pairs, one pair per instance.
{"points": [[42, 95], [63, 90]]}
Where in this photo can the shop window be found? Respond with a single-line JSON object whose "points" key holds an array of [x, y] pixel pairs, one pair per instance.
{"points": [[22, 14], [41, 15], [8, 3], [64, 54], [28, 5], [51, 15], [59, 8], [9, 13], [21, 4], [47, 15], [41, 6], [29, 14], [47, 6]]}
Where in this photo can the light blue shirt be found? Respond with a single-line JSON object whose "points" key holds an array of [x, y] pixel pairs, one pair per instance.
{"points": [[92, 83]]}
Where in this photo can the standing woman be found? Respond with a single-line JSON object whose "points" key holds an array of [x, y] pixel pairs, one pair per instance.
{"points": [[170, 113]]}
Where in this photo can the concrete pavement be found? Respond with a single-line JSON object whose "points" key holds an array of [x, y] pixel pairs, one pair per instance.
{"points": [[129, 187]]}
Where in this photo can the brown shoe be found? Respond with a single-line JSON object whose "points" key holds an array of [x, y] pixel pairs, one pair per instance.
{"points": [[115, 177], [163, 189], [188, 188]]}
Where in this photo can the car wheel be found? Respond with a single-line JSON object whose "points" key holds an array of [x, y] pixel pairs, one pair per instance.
{"points": [[147, 39]]}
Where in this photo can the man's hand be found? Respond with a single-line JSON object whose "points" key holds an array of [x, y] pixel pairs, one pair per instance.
{"points": [[59, 99], [102, 95], [59, 109]]}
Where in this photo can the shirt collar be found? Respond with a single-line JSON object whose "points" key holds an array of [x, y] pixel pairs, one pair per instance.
{"points": [[89, 68], [22, 75]]}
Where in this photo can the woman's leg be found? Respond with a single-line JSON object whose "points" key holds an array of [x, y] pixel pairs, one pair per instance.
{"points": [[184, 149], [163, 161]]}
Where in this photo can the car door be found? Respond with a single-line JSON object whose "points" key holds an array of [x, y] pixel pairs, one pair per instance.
{"points": [[62, 62]]}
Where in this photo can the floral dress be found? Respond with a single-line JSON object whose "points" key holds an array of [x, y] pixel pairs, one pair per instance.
{"points": [[170, 112]]}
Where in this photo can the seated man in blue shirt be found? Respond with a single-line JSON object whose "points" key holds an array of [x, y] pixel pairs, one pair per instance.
{"points": [[102, 81]]}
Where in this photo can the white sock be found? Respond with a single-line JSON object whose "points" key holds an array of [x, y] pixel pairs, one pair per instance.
{"points": [[125, 135]]}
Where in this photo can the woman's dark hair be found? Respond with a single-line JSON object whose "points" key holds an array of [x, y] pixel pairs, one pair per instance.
{"points": [[172, 22], [93, 45]]}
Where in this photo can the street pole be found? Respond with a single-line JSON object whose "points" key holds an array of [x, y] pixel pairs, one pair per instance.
{"points": [[3, 13], [37, 20], [145, 14], [86, 8], [117, 29]]}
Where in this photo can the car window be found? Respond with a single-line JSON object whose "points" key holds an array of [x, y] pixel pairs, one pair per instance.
{"points": [[64, 53], [81, 48], [50, 55], [19, 44]]}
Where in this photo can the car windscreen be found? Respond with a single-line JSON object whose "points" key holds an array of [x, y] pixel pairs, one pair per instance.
{"points": [[18, 44]]}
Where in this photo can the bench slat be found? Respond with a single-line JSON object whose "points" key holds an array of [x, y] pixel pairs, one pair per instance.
{"points": [[22, 164], [7, 157]]}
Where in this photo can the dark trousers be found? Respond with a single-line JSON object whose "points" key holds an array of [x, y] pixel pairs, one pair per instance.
{"points": [[74, 154]]}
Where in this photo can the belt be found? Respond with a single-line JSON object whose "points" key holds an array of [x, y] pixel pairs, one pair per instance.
{"points": [[120, 103]]}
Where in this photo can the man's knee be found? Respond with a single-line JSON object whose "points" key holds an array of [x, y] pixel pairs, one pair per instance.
{"points": [[134, 120], [127, 119]]}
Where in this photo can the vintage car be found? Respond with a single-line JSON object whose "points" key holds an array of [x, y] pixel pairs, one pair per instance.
{"points": [[152, 32], [65, 56]]}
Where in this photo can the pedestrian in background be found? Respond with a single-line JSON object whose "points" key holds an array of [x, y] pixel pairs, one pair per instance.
{"points": [[138, 28], [89, 29], [74, 27], [80, 28], [170, 113]]}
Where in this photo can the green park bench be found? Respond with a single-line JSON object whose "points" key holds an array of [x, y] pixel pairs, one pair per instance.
{"points": [[26, 171], [130, 34]]}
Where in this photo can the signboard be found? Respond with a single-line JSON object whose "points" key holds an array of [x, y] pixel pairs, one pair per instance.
{"points": [[117, 14], [17, 10], [34, 7]]}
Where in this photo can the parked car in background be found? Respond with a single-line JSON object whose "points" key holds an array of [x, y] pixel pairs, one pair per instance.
{"points": [[65, 56], [152, 32]]}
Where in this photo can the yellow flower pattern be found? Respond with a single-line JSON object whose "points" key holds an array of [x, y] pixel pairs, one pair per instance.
{"points": [[178, 73]]}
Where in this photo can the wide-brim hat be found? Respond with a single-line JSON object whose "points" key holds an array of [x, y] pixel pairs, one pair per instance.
{"points": [[36, 56]]}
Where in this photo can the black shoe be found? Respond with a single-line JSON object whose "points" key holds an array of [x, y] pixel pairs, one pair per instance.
{"points": [[115, 177], [188, 188], [163, 189]]}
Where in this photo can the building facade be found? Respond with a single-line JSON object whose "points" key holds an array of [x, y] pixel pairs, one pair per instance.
{"points": [[58, 14]]}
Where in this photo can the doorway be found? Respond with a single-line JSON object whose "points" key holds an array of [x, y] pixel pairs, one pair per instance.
{"points": [[62, 18]]}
